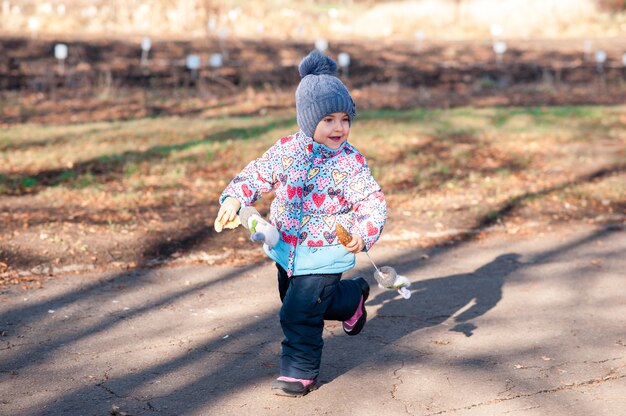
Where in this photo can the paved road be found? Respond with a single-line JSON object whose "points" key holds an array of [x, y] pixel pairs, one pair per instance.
{"points": [[499, 326]]}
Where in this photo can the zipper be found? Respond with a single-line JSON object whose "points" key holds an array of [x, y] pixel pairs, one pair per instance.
{"points": [[300, 206]]}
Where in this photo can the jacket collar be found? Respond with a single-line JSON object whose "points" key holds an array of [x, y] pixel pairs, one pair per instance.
{"points": [[320, 150]]}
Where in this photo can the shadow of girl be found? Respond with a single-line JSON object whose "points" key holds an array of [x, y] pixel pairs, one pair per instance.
{"points": [[432, 302]]}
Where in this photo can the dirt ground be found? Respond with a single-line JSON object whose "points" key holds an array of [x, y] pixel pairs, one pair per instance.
{"points": [[105, 82], [38, 242]]}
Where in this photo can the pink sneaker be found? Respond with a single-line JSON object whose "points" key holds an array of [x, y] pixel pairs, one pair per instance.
{"points": [[292, 387], [355, 324]]}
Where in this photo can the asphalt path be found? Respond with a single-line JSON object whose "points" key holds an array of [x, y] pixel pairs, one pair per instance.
{"points": [[506, 325]]}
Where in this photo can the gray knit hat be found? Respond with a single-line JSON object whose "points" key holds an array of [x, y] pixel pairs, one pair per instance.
{"points": [[320, 92]]}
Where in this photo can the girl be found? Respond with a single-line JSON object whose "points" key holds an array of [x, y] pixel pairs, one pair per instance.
{"points": [[320, 180]]}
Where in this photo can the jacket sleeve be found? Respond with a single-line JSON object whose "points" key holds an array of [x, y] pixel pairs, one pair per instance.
{"points": [[255, 179], [369, 207]]}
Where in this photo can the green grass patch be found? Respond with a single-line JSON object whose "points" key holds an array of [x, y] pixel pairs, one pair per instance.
{"points": [[29, 182], [546, 116]]}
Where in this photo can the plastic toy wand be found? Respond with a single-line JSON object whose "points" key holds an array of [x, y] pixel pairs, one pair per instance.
{"points": [[373, 264]]}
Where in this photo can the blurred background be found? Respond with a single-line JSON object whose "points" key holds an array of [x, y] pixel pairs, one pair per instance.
{"points": [[122, 121], [338, 20], [439, 52]]}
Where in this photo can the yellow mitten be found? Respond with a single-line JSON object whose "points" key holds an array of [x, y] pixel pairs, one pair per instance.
{"points": [[229, 209]]}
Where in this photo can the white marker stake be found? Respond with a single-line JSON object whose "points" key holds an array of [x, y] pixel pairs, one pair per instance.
{"points": [[146, 45], [60, 53], [600, 60], [343, 59], [321, 45], [216, 61], [193, 64], [499, 48]]}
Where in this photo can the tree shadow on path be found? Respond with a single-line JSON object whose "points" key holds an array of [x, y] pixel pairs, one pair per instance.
{"points": [[460, 297], [217, 370]]}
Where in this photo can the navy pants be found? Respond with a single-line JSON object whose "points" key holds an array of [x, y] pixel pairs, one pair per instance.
{"points": [[308, 300]]}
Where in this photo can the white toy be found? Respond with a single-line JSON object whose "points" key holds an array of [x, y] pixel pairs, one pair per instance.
{"points": [[387, 278], [260, 229]]}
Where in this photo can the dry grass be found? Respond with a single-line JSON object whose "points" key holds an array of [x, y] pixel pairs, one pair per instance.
{"points": [[491, 155]]}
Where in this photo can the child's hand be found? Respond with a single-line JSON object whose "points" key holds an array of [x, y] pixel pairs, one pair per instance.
{"points": [[356, 244], [227, 213]]}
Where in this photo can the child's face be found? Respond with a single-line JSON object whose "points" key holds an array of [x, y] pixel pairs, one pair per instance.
{"points": [[332, 130]]}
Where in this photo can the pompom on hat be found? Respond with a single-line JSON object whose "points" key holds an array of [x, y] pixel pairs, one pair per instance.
{"points": [[320, 92]]}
